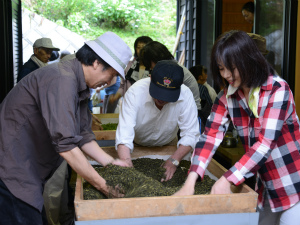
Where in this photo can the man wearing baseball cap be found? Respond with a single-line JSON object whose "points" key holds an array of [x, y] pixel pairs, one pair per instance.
{"points": [[45, 119], [153, 109], [42, 50]]}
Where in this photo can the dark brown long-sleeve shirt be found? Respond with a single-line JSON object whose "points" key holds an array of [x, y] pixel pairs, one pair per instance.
{"points": [[44, 114]]}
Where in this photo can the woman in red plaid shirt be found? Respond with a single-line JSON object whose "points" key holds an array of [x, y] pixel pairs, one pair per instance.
{"points": [[262, 108]]}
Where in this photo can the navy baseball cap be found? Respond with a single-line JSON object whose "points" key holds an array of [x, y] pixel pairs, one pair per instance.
{"points": [[166, 80]]}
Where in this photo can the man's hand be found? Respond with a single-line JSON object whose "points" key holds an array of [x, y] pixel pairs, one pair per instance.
{"points": [[124, 163], [124, 154], [112, 192], [170, 170], [222, 186]]}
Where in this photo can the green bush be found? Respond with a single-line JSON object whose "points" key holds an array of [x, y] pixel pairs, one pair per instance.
{"points": [[58, 10], [76, 22], [127, 18], [116, 12]]}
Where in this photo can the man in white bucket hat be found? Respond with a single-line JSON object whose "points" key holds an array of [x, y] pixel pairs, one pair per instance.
{"points": [[46, 119]]}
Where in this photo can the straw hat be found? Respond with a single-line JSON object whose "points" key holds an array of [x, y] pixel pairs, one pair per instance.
{"points": [[260, 42]]}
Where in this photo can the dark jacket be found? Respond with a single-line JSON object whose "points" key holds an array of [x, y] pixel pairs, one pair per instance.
{"points": [[27, 68]]}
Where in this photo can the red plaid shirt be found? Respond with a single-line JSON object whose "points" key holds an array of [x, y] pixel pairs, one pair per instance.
{"points": [[271, 142]]}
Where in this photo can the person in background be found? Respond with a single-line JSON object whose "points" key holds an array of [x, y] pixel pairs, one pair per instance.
{"points": [[109, 106], [54, 57], [134, 71], [200, 73], [45, 120], [207, 99], [63, 54], [153, 109], [154, 52], [42, 50], [203, 80], [260, 41], [262, 108], [248, 13]]}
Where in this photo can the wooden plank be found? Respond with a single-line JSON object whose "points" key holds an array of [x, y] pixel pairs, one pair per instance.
{"points": [[243, 199], [179, 31], [107, 115], [140, 151], [105, 134]]}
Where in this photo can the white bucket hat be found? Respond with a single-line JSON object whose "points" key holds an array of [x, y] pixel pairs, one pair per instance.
{"points": [[113, 50]]}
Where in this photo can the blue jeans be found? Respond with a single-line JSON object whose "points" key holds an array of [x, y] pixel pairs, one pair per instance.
{"points": [[14, 211]]}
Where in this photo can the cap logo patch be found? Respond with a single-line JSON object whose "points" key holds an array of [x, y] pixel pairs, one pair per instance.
{"points": [[166, 82]]}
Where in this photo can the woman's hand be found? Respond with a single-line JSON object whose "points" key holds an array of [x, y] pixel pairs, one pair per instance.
{"points": [[222, 186], [189, 185], [185, 190]]}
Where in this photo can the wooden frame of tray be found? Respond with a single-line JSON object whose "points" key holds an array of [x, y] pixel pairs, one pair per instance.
{"points": [[243, 199]]}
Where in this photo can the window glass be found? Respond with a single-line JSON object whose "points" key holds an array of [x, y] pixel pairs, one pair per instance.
{"points": [[269, 23]]}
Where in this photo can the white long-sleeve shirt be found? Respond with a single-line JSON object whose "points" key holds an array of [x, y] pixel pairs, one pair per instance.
{"points": [[142, 122]]}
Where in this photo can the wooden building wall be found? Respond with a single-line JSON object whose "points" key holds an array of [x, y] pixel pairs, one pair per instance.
{"points": [[232, 18]]}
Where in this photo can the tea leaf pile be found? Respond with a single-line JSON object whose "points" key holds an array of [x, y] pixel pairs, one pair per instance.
{"points": [[144, 180], [110, 126]]}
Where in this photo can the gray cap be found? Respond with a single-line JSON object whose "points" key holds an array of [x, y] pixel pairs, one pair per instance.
{"points": [[44, 43]]}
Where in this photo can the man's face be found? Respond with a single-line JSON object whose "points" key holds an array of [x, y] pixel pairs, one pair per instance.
{"points": [[97, 76], [202, 78], [43, 54], [159, 103]]}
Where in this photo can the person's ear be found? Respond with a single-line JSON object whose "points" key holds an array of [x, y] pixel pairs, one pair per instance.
{"points": [[35, 51], [95, 64]]}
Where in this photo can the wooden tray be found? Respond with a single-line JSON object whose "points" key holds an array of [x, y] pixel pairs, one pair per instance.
{"points": [[243, 199], [106, 134]]}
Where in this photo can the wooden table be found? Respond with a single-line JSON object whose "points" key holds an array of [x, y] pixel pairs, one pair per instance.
{"points": [[230, 155]]}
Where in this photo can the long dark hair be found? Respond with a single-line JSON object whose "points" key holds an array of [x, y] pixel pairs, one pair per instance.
{"points": [[154, 51], [235, 49], [141, 39], [87, 57], [248, 6]]}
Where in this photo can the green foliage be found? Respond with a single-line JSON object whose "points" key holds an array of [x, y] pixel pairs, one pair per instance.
{"points": [[272, 19], [127, 18], [117, 12], [57, 9], [76, 22]]}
